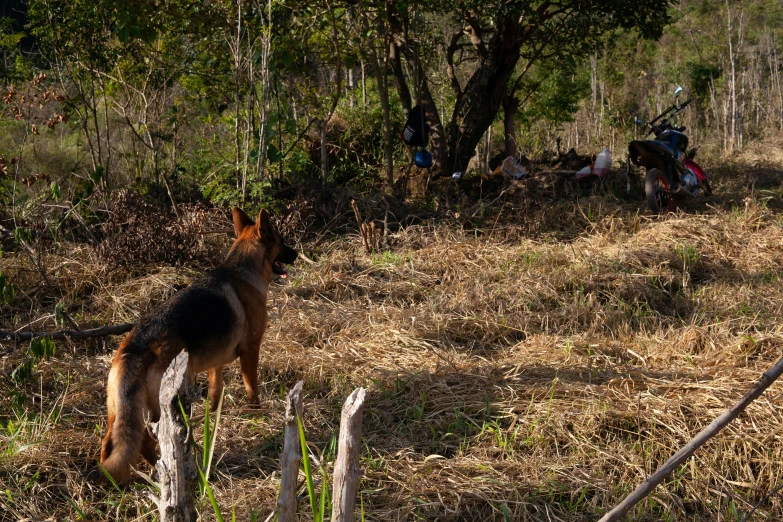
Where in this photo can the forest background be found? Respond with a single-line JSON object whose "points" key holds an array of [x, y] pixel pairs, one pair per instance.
{"points": [[531, 349], [234, 99]]}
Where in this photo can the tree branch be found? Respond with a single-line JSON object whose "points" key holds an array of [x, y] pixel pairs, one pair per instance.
{"points": [[117, 329], [474, 32], [454, 45], [646, 487]]}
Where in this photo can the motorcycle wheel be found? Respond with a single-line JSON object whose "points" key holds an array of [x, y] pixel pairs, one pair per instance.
{"points": [[707, 187], [656, 187]]}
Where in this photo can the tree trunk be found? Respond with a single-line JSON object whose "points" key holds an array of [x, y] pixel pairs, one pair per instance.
{"points": [[265, 95], [399, 79], [476, 108], [732, 81], [364, 86], [237, 66], [509, 124], [324, 155], [383, 90]]}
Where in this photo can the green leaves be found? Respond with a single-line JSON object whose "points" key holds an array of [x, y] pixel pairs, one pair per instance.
{"points": [[40, 348], [22, 235], [7, 290], [55, 191], [23, 372], [59, 313]]}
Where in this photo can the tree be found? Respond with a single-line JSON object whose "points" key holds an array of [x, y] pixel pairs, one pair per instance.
{"points": [[486, 44]]}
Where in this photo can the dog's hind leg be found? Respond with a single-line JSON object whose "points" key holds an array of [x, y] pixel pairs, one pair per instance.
{"points": [[248, 361], [215, 386], [149, 448]]}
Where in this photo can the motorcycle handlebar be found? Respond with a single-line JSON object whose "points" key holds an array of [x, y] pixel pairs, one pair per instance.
{"points": [[684, 104]]}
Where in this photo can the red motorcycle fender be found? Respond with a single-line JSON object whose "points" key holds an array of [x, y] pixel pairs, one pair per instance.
{"points": [[693, 167]]}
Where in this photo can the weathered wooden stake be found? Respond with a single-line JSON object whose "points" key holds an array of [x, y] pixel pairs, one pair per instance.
{"points": [[646, 487], [291, 457], [346, 468], [177, 474]]}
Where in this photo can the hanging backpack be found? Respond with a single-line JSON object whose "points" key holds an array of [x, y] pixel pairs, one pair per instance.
{"points": [[416, 130]]}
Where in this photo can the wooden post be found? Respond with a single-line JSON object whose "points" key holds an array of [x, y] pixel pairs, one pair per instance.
{"points": [[646, 487], [176, 468], [346, 468], [291, 458]]}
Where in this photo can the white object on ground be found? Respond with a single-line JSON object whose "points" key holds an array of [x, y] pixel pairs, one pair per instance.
{"points": [[584, 172], [603, 163], [511, 169]]}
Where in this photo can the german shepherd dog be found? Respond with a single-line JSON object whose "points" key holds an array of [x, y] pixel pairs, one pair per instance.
{"points": [[218, 318]]}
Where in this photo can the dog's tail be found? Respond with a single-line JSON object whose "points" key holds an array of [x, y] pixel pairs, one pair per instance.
{"points": [[126, 395]]}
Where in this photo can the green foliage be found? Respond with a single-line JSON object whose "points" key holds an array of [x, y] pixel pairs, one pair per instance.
{"points": [[40, 348], [555, 90], [13, 67], [7, 290], [22, 235], [700, 76], [321, 505]]}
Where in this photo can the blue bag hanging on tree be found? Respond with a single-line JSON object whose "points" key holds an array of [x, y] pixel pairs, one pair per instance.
{"points": [[415, 134]]}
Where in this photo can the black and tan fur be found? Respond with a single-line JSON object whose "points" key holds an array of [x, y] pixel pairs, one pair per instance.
{"points": [[218, 318]]}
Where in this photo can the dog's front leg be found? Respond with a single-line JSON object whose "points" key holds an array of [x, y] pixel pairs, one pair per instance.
{"points": [[248, 360]]}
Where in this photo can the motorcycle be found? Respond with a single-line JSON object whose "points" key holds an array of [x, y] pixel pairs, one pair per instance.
{"points": [[671, 171]]}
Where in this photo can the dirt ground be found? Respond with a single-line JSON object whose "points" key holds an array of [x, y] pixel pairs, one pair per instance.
{"points": [[521, 362]]}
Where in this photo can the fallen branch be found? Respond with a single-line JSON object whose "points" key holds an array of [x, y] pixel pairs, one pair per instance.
{"points": [[117, 329], [646, 487]]}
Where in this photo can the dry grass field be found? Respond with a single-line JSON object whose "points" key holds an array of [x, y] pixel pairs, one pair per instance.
{"points": [[514, 372]]}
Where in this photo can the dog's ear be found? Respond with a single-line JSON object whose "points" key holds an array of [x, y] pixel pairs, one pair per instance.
{"points": [[241, 220], [264, 225]]}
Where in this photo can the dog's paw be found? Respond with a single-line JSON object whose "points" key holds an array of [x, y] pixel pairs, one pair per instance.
{"points": [[96, 476]]}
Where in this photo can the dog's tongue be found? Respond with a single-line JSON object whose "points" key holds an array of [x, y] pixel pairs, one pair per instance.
{"points": [[281, 270]]}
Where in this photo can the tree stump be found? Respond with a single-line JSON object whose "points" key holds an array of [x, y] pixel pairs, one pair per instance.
{"points": [[291, 457], [177, 473], [347, 472]]}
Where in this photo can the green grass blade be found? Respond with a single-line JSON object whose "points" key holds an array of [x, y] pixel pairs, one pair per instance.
{"points": [[207, 436], [506, 514], [324, 493], [75, 506], [110, 478], [306, 464], [184, 415], [211, 452], [210, 495]]}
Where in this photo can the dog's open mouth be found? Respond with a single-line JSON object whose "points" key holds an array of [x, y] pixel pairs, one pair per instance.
{"points": [[279, 269]]}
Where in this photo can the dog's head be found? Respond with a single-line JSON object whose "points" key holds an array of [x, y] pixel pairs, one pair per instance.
{"points": [[263, 233]]}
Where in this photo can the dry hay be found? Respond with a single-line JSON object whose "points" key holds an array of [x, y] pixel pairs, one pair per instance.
{"points": [[542, 377]]}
